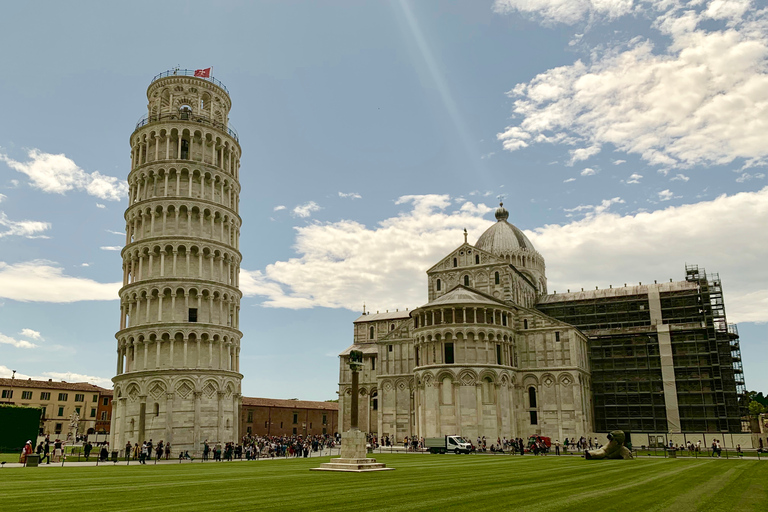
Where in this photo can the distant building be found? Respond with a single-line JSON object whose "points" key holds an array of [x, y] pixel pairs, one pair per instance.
{"points": [[104, 412], [58, 401], [271, 417], [492, 354]]}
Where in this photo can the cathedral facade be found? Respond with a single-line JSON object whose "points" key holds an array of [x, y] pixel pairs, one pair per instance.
{"points": [[478, 359]]}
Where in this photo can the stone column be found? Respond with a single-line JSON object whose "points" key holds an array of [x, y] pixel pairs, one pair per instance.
{"points": [[169, 418], [196, 433], [220, 418]]}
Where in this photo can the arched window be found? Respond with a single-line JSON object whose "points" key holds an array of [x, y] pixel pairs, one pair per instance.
{"points": [[531, 397], [375, 401], [455, 262], [466, 280], [525, 323], [477, 259], [372, 332], [157, 409], [392, 327], [438, 285], [496, 278]]}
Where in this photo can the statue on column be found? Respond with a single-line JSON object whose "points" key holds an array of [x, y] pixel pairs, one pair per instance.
{"points": [[353, 441], [74, 423]]}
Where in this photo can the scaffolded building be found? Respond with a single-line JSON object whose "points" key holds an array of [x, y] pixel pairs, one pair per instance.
{"points": [[663, 357]]}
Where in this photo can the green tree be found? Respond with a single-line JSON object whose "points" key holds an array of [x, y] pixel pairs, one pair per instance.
{"points": [[756, 408]]}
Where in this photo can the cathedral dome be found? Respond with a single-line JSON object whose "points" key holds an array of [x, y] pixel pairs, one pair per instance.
{"points": [[503, 238]]}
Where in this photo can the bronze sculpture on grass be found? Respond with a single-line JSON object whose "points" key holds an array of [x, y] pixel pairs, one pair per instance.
{"points": [[615, 448]]}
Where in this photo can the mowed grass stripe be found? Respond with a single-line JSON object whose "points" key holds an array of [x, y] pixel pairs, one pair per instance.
{"points": [[420, 483]]}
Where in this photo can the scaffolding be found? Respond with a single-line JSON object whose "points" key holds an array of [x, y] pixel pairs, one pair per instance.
{"points": [[624, 353]]}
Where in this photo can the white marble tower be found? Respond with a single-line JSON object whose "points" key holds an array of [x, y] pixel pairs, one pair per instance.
{"points": [[178, 346]]}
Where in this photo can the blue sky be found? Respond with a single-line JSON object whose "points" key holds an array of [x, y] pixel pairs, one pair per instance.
{"points": [[627, 137]]}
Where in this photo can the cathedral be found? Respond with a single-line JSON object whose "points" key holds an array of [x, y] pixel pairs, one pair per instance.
{"points": [[493, 354], [478, 359]]}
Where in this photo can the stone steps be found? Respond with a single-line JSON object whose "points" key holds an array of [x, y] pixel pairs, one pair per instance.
{"points": [[352, 465]]}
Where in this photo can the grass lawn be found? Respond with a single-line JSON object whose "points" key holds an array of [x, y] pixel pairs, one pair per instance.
{"points": [[420, 482]]}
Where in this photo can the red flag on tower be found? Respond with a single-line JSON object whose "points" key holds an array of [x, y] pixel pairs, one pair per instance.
{"points": [[203, 73]]}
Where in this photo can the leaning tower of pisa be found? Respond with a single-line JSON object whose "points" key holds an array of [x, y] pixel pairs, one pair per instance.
{"points": [[178, 346]]}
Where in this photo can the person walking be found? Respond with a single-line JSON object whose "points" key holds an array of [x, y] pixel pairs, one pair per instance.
{"points": [[167, 451]]}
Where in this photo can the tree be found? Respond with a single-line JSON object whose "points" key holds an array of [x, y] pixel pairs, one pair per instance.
{"points": [[756, 408]]}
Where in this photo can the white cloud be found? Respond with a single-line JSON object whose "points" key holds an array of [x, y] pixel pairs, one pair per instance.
{"points": [[665, 195], [85, 264], [702, 99], [565, 11], [43, 281], [613, 249], [680, 177], [7, 340], [569, 180], [278, 208], [580, 154], [99, 205], [350, 195], [487, 155], [746, 177], [3, 196], [306, 209], [25, 228], [588, 172], [619, 162], [59, 174], [104, 382], [29, 333], [344, 263], [111, 247], [592, 210], [121, 233], [635, 178]]}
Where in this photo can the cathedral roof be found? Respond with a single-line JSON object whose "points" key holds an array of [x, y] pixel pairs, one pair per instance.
{"points": [[503, 238], [365, 348], [373, 317], [460, 294]]}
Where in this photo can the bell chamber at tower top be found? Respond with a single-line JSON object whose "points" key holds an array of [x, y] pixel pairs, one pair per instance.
{"points": [[189, 105]]}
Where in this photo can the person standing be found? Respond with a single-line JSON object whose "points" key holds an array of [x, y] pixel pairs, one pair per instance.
{"points": [[57, 450], [128, 450], [47, 450], [557, 447], [167, 451]]}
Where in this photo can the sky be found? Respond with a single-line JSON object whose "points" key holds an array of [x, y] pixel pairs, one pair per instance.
{"points": [[627, 138]]}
